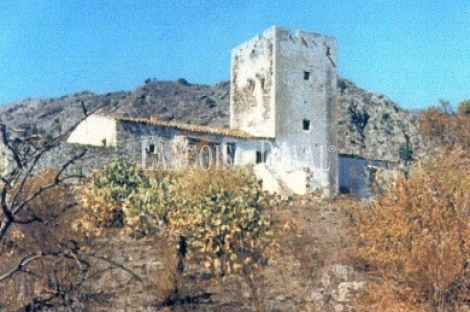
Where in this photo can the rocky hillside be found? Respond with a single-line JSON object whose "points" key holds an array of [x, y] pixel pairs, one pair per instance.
{"points": [[373, 126], [370, 125]]}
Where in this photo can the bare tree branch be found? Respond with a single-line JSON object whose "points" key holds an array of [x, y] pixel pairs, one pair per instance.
{"points": [[57, 180], [22, 263], [114, 263], [27, 153]]}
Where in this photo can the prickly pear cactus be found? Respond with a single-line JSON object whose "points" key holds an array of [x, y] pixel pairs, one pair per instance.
{"points": [[220, 214]]}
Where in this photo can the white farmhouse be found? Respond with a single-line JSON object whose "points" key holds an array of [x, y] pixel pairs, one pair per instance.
{"points": [[282, 117]]}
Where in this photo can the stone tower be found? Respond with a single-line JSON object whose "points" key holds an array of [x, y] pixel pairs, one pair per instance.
{"points": [[283, 87]]}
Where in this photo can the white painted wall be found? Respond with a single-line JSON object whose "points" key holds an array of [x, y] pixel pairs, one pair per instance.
{"points": [[270, 183], [245, 152], [95, 130]]}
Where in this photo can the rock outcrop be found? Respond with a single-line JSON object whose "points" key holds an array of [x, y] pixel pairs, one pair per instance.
{"points": [[373, 126]]}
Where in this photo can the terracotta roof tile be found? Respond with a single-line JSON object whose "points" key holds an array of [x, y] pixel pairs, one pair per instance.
{"points": [[235, 133]]}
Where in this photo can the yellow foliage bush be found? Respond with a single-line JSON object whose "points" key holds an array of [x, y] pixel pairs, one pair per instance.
{"points": [[446, 130], [417, 234]]}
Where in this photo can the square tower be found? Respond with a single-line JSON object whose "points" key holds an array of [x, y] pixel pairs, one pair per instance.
{"points": [[283, 86]]}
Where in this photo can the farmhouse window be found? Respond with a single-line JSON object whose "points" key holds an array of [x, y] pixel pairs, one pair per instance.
{"points": [[306, 124]]}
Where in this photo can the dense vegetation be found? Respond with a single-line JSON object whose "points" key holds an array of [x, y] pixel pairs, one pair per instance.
{"points": [[415, 237]]}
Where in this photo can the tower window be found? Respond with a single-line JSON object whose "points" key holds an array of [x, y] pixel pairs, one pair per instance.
{"points": [[151, 149], [306, 75], [306, 124]]}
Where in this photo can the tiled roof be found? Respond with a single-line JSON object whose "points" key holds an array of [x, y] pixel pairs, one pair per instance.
{"points": [[193, 128]]}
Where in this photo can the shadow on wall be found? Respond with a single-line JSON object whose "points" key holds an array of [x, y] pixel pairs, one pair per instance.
{"points": [[357, 175]]}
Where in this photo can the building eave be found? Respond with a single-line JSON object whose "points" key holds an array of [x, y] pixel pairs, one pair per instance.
{"points": [[197, 129]]}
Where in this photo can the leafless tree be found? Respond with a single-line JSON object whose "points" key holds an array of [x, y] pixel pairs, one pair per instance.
{"points": [[59, 264], [25, 154]]}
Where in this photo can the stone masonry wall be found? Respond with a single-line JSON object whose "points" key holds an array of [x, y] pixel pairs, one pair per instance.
{"points": [[305, 96]]}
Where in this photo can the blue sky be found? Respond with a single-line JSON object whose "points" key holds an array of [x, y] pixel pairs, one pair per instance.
{"points": [[415, 52]]}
